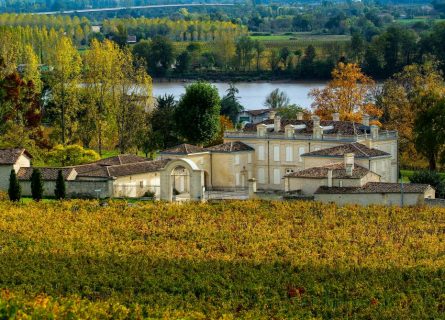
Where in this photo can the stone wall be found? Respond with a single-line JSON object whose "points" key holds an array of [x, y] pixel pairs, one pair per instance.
{"points": [[74, 189]]}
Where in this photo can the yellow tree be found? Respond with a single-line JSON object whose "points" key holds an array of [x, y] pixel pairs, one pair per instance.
{"points": [[101, 71], [65, 81], [349, 93], [32, 72]]}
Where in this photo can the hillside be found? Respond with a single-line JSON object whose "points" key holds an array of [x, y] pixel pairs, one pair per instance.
{"points": [[227, 260]]}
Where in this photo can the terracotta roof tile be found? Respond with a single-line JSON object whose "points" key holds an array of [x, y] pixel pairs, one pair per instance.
{"points": [[184, 149], [359, 150], [48, 174], [10, 156], [121, 159], [376, 187], [338, 172], [235, 146], [137, 168]]}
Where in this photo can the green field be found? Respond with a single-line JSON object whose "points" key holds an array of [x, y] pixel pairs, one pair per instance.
{"points": [[227, 260], [415, 20]]}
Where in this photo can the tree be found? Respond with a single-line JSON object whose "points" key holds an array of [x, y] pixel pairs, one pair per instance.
{"points": [[60, 190], [224, 125], [200, 106], [14, 190], [36, 185], [429, 129], [289, 112], [230, 105], [401, 100], [158, 55], [183, 62], [163, 124], [64, 81], [71, 155], [276, 99], [432, 178], [259, 49], [349, 93], [32, 72], [245, 51]]}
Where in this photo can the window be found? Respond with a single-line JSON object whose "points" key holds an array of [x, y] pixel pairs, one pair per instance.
{"points": [[341, 183], [237, 159], [276, 176], [276, 153], [300, 152], [289, 154], [261, 153], [141, 184], [261, 175], [316, 148], [237, 179], [249, 158]]}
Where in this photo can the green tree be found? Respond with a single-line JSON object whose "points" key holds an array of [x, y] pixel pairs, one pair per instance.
{"points": [[429, 130], [158, 54], [230, 105], [36, 185], [60, 190], [289, 112], [14, 190], [197, 115], [432, 178], [276, 100], [163, 123]]}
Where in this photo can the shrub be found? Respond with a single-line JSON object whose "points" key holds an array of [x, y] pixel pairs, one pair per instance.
{"points": [[14, 190], [432, 178], [36, 185], [150, 194], [60, 190]]}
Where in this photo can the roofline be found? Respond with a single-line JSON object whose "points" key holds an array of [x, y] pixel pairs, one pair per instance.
{"points": [[308, 154], [182, 153]]}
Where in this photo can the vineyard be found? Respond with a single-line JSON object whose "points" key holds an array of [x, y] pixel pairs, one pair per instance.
{"points": [[232, 260]]}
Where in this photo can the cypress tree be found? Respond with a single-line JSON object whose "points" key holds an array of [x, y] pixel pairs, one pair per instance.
{"points": [[14, 190], [60, 191], [36, 185]]}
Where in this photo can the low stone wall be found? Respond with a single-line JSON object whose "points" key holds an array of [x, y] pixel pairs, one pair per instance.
{"points": [[74, 189], [435, 202]]}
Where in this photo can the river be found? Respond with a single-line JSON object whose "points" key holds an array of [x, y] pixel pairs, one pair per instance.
{"points": [[251, 94]]}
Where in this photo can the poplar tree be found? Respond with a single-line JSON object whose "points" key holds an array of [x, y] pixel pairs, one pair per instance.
{"points": [[36, 185], [60, 191], [14, 190]]}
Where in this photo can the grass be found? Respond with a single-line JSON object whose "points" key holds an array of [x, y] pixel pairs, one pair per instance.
{"points": [[415, 20], [228, 260]]}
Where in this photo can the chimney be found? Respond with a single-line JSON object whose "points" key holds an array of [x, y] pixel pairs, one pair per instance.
{"points": [[336, 116], [289, 131], [277, 124], [365, 120], [374, 132], [317, 130], [330, 178], [272, 114], [299, 115], [261, 130], [349, 163]]}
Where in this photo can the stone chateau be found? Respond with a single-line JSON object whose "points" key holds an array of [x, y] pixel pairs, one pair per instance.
{"points": [[328, 160]]}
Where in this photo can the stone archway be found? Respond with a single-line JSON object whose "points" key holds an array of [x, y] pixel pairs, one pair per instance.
{"points": [[195, 179]]}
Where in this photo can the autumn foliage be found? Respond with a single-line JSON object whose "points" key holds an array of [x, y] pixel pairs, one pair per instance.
{"points": [[349, 93], [227, 260]]}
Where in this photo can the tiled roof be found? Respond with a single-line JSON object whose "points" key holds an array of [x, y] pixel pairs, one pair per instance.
{"points": [[359, 150], [230, 147], [48, 174], [338, 172], [10, 156], [338, 127], [257, 112], [376, 187], [137, 168], [184, 149], [120, 159], [98, 171]]}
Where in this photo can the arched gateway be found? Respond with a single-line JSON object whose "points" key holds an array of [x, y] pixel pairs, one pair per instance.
{"points": [[190, 180]]}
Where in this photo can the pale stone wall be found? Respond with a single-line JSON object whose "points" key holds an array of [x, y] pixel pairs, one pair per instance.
{"points": [[308, 186], [74, 189], [231, 170], [5, 172], [409, 199], [135, 186]]}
